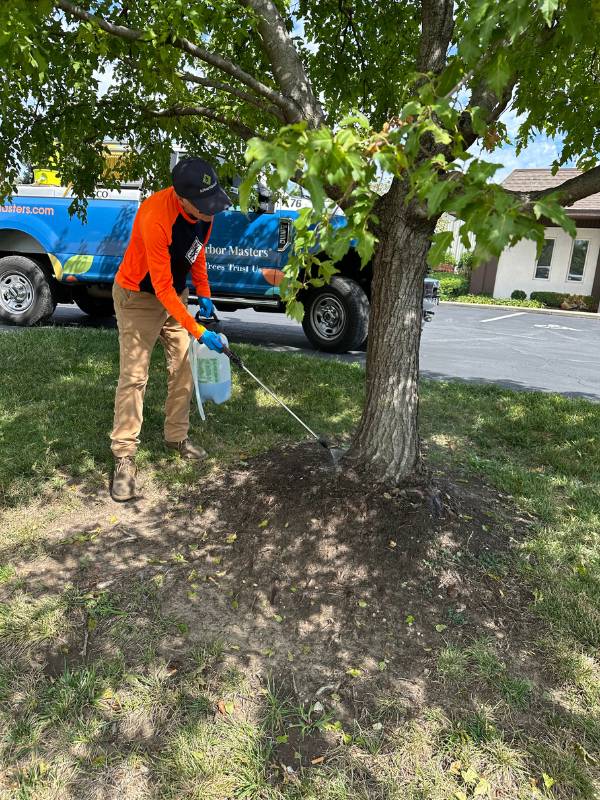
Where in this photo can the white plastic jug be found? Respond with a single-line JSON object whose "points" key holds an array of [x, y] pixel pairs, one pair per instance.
{"points": [[211, 372]]}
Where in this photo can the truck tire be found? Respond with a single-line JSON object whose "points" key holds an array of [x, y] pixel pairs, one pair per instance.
{"points": [[26, 294], [94, 306], [336, 317]]}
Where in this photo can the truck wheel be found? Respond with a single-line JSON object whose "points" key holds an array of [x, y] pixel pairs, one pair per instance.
{"points": [[95, 306], [336, 317], [26, 295]]}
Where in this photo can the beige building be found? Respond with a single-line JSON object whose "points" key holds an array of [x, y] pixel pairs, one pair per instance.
{"points": [[570, 266]]}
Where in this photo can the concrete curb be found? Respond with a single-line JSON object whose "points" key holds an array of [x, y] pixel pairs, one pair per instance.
{"points": [[558, 311]]}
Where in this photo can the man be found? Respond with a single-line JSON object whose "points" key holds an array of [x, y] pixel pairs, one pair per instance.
{"points": [[168, 240]]}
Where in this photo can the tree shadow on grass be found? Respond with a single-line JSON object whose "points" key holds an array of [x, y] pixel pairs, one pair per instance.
{"points": [[287, 630], [192, 643]]}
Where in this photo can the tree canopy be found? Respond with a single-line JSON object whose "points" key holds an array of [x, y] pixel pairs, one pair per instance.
{"points": [[331, 93]]}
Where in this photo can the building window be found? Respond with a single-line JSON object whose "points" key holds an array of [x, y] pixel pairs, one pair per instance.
{"points": [[578, 255], [542, 267]]}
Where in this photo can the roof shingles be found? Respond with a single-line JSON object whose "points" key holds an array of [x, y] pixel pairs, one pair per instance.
{"points": [[531, 180]]}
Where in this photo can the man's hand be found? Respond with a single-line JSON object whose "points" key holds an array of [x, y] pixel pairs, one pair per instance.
{"points": [[206, 307], [212, 340]]}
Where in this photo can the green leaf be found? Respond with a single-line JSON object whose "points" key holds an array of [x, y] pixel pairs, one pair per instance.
{"points": [[440, 242], [548, 781], [317, 192], [550, 207], [295, 310], [548, 8], [411, 109], [469, 775], [483, 787]]}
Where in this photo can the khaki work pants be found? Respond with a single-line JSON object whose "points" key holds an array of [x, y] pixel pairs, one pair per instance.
{"points": [[142, 319]]}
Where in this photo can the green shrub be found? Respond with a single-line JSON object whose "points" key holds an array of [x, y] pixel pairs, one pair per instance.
{"points": [[465, 262], [485, 299], [451, 284], [518, 294], [564, 300]]}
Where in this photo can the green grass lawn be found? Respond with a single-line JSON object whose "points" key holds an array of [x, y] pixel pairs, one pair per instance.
{"points": [[541, 451]]}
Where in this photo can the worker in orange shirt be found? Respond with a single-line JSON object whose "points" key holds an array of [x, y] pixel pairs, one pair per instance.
{"points": [[168, 241]]}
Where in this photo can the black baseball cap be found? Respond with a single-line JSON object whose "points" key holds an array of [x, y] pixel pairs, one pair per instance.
{"points": [[195, 180]]}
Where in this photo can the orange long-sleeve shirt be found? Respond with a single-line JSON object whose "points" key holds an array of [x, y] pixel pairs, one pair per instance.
{"points": [[165, 245]]}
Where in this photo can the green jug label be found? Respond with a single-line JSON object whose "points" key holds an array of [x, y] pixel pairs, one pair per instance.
{"points": [[208, 370]]}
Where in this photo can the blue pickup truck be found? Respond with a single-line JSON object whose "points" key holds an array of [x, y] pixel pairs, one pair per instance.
{"points": [[48, 257]]}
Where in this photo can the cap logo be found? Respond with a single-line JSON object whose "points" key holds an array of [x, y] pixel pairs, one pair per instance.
{"points": [[209, 185], [206, 179]]}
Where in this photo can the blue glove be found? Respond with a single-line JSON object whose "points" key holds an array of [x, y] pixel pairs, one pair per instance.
{"points": [[206, 307], [212, 340]]}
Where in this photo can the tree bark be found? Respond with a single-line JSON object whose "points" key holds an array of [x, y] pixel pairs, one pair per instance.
{"points": [[386, 445]]}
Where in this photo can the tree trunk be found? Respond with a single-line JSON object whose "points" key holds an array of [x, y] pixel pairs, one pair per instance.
{"points": [[386, 444]]}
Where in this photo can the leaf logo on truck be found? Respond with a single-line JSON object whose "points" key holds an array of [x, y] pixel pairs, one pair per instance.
{"points": [[77, 265]]}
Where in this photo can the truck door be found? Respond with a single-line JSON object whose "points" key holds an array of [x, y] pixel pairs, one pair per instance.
{"points": [[242, 254]]}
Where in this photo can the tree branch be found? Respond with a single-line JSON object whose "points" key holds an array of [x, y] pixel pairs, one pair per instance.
{"points": [[285, 61], [568, 192], [226, 87], [437, 24], [201, 111], [484, 97], [223, 64]]}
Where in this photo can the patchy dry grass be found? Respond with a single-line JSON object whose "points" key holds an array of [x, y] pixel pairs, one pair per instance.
{"points": [[106, 694]]}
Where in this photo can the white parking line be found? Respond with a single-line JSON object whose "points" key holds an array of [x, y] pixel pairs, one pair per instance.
{"points": [[504, 316]]}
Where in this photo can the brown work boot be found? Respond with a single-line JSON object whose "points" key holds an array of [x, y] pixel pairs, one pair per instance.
{"points": [[123, 483], [187, 450]]}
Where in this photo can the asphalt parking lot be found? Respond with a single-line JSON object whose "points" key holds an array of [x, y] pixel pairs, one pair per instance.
{"points": [[508, 346]]}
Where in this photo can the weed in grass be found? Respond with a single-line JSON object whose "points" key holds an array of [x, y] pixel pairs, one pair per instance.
{"points": [[452, 663], [7, 572], [476, 728], [26, 622], [66, 696], [516, 691]]}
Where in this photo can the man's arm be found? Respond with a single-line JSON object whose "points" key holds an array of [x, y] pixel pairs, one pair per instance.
{"points": [[199, 270], [159, 264]]}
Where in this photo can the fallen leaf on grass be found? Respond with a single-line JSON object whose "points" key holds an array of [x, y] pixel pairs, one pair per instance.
{"points": [[409, 619], [231, 538], [278, 618], [225, 707], [263, 524], [548, 781], [355, 673], [469, 775], [318, 760], [483, 787], [440, 628], [362, 603]]}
